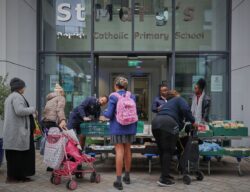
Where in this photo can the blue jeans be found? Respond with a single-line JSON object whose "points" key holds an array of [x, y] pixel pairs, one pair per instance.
{"points": [[1, 151]]}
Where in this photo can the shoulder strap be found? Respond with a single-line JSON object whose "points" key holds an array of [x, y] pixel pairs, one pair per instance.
{"points": [[116, 94], [128, 94]]}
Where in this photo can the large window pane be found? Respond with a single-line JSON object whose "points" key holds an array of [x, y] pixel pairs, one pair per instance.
{"points": [[73, 73], [153, 25], [66, 25], [213, 70], [113, 25], [201, 25]]}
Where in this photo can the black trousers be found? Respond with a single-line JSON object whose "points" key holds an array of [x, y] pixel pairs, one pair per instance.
{"points": [[166, 143]]}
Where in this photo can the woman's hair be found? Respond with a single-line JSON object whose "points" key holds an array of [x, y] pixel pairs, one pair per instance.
{"points": [[201, 84], [121, 82], [171, 94]]}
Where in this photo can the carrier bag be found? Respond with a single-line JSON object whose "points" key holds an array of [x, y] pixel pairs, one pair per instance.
{"points": [[37, 131], [54, 148]]}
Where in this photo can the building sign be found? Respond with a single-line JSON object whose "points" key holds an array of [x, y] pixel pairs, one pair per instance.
{"points": [[216, 83]]}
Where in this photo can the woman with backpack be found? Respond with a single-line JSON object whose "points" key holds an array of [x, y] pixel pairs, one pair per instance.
{"points": [[123, 121]]}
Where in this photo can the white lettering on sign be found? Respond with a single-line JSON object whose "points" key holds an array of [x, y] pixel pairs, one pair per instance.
{"points": [[66, 13], [64, 10]]}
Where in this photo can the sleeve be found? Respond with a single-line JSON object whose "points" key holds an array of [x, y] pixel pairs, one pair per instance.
{"points": [[97, 112], [186, 110], [110, 111], [154, 106], [20, 107], [60, 108], [81, 108], [206, 108]]}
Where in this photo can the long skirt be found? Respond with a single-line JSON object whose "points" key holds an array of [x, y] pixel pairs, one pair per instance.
{"points": [[21, 164]]}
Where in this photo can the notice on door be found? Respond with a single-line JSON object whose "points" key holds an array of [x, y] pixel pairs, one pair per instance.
{"points": [[216, 83]]}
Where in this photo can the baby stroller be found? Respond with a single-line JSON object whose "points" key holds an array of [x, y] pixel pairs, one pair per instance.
{"points": [[188, 155], [62, 154]]}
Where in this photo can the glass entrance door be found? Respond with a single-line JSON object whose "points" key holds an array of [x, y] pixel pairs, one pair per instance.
{"points": [[144, 74], [140, 86]]}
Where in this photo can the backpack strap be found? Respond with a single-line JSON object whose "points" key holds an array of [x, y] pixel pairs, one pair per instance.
{"points": [[128, 94], [115, 94]]}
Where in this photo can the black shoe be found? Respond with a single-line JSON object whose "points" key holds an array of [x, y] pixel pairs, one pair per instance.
{"points": [[170, 177], [49, 169], [126, 180], [165, 183], [118, 185]]}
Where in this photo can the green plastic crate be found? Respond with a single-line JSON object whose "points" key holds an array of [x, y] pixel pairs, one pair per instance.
{"points": [[208, 133], [95, 128], [140, 127], [221, 131], [237, 153]]}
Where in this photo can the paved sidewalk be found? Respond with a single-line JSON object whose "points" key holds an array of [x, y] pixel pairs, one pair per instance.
{"points": [[223, 178]]}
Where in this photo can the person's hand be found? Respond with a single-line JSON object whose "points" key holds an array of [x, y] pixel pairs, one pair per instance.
{"points": [[35, 115], [86, 119], [63, 125], [159, 108], [196, 125], [102, 118]]}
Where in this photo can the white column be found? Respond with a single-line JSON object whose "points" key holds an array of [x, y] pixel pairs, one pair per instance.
{"points": [[2, 37]]}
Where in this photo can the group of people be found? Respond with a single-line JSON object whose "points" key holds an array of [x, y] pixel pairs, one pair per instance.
{"points": [[170, 108]]}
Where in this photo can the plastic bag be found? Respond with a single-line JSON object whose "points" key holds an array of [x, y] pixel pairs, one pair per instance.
{"points": [[37, 131]]}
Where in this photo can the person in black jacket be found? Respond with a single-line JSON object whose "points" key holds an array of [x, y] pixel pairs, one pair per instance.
{"points": [[165, 129], [200, 102], [161, 99], [89, 109]]}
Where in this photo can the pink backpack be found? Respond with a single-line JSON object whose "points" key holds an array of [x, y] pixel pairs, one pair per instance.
{"points": [[126, 113]]}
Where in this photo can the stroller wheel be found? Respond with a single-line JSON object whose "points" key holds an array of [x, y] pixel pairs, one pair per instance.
{"points": [[56, 180], [93, 177], [71, 185], [187, 179], [199, 175], [98, 178]]}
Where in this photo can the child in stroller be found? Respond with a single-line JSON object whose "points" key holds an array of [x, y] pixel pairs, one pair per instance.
{"points": [[188, 155], [62, 154]]}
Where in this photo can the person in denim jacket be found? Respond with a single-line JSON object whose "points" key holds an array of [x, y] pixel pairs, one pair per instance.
{"points": [[121, 135]]}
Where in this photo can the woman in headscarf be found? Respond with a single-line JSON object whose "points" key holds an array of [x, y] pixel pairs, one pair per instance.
{"points": [[18, 134]]}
